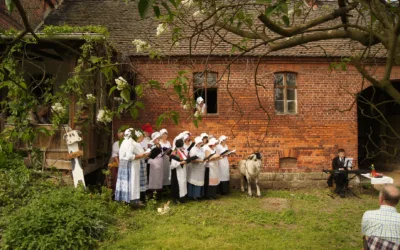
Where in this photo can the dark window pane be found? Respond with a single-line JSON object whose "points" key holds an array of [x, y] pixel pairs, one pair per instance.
{"points": [[279, 94], [278, 79], [279, 106], [291, 79], [211, 79], [212, 101], [198, 79], [292, 107], [291, 94]]}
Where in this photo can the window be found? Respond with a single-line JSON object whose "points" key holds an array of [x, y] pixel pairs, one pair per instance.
{"points": [[285, 93], [205, 85]]}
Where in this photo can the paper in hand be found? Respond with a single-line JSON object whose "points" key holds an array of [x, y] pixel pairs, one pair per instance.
{"points": [[190, 159], [227, 152], [208, 157], [155, 152]]}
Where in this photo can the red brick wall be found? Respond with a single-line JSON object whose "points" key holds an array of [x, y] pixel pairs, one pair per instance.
{"points": [[36, 11], [316, 131]]}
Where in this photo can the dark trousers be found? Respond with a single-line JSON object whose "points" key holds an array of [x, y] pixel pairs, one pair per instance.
{"points": [[341, 182]]}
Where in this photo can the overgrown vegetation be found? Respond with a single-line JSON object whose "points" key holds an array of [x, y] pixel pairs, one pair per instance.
{"points": [[39, 213]]}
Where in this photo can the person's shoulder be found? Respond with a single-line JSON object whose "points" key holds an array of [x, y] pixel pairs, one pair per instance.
{"points": [[370, 213]]}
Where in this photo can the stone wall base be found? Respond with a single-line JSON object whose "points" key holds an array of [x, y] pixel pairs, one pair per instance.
{"points": [[289, 180]]}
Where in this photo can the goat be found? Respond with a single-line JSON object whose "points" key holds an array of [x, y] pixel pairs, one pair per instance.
{"points": [[250, 169]]}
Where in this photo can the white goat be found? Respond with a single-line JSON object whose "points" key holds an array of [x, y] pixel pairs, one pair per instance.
{"points": [[250, 168]]}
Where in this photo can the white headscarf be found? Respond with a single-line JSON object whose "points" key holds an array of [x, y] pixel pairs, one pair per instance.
{"points": [[198, 140], [199, 100], [180, 136], [127, 145], [163, 131], [222, 138], [212, 141]]}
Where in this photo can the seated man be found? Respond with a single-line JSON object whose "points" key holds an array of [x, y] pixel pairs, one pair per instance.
{"points": [[340, 178], [384, 222]]}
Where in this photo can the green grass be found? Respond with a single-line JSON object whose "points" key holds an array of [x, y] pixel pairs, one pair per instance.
{"points": [[307, 219]]}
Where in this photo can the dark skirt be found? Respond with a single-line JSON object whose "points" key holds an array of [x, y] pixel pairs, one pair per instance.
{"points": [[209, 191], [223, 187], [114, 176], [174, 185], [194, 191]]}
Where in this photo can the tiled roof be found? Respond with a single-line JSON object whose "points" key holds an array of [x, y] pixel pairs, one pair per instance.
{"points": [[124, 24]]}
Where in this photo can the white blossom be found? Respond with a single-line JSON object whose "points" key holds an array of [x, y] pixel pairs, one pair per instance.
{"points": [[121, 83], [187, 3], [197, 113], [141, 46], [186, 107], [58, 108], [104, 116], [91, 98], [161, 28]]}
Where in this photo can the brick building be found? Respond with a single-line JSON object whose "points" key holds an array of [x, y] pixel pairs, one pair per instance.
{"points": [[36, 11], [307, 110]]}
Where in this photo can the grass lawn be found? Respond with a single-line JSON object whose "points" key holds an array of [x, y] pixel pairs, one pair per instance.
{"points": [[305, 219]]}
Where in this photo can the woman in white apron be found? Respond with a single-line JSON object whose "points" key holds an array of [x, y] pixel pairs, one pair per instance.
{"points": [[212, 175], [196, 170], [166, 148], [223, 166], [178, 172], [128, 182], [156, 175]]}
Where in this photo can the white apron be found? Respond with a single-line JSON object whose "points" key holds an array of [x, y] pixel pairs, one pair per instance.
{"points": [[196, 171], [181, 176], [223, 164]]}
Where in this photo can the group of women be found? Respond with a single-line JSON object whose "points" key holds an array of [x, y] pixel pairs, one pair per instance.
{"points": [[149, 163]]}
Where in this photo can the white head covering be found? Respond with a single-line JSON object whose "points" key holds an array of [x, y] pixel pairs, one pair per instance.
{"points": [[155, 135], [138, 133], [222, 138], [185, 137], [212, 141], [198, 140], [203, 135], [126, 147], [128, 133], [199, 100], [163, 131]]}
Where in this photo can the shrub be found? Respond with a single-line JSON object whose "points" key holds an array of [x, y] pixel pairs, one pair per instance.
{"points": [[14, 179], [63, 218]]}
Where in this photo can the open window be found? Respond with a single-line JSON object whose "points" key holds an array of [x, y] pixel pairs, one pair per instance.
{"points": [[285, 93], [205, 85]]}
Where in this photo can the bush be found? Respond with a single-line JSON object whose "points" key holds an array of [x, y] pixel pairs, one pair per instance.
{"points": [[14, 179], [64, 218]]}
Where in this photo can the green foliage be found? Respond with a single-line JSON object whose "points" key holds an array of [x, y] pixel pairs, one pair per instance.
{"points": [[10, 5], [50, 30], [14, 179], [64, 218]]}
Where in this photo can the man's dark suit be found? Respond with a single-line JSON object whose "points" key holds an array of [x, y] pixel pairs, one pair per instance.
{"points": [[340, 178]]}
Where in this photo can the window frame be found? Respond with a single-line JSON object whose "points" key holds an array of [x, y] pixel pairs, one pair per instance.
{"points": [[285, 88], [205, 86]]}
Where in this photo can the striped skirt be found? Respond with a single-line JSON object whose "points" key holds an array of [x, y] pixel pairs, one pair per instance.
{"points": [[143, 175], [123, 188]]}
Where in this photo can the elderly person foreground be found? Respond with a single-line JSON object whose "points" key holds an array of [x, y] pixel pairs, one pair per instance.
{"points": [[384, 224]]}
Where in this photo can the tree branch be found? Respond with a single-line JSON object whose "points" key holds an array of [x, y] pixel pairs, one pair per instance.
{"points": [[298, 29], [361, 37]]}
